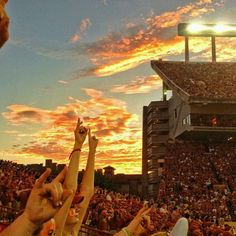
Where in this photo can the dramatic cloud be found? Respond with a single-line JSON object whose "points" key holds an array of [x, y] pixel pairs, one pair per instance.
{"points": [[19, 114], [84, 25], [154, 38], [119, 131], [139, 85]]}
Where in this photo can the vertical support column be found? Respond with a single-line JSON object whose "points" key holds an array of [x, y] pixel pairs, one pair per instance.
{"points": [[213, 48], [186, 49]]}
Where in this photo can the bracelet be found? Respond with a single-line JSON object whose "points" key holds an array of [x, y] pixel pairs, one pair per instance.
{"points": [[126, 231], [75, 150]]}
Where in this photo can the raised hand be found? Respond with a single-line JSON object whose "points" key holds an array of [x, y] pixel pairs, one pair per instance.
{"points": [[80, 134], [139, 226], [93, 142], [45, 199], [86, 187], [71, 178]]}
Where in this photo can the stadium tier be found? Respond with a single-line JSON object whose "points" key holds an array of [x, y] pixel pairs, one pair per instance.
{"points": [[201, 81]]}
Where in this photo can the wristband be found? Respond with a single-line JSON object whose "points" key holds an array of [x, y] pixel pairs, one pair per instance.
{"points": [[75, 150], [126, 232]]}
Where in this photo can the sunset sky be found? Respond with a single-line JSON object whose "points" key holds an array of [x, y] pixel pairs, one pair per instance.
{"points": [[91, 58]]}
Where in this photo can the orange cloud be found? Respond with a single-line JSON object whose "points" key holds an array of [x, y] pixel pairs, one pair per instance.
{"points": [[118, 130], [135, 45], [19, 114], [139, 85]]}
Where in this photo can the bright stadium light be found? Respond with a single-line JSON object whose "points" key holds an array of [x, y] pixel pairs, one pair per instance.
{"points": [[207, 30], [195, 28]]}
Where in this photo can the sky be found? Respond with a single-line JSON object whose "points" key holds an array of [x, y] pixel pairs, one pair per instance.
{"points": [[91, 59]]}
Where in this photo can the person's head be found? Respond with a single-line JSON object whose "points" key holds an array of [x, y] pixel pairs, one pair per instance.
{"points": [[4, 23]]}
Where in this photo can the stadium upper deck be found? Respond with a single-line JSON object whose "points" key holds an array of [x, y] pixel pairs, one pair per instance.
{"points": [[200, 81]]}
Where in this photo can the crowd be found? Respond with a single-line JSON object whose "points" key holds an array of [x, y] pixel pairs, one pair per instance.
{"points": [[197, 183], [202, 79], [16, 181], [198, 180]]}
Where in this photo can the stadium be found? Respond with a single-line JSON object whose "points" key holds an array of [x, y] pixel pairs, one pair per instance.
{"points": [[188, 162]]}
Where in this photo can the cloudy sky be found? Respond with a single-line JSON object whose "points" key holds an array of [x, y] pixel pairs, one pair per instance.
{"points": [[91, 58]]}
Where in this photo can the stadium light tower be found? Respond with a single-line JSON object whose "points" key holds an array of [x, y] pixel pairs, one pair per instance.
{"points": [[205, 30]]}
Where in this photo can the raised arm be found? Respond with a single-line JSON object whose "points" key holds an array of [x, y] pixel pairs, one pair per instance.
{"points": [[71, 177], [76, 216], [87, 184], [43, 203]]}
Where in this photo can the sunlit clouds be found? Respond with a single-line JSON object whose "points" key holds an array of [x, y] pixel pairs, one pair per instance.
{"points": [[139, 85], [118, 131], [135, 45]]}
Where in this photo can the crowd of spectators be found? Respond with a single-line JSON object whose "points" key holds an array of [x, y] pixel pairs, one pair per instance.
{"points": [[224, 163], [197, 183], [202, 79], [16, 182], [198, 180]]}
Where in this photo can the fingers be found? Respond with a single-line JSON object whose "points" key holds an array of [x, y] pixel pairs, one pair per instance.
{"points": [[89, 133], [61, 176], [143, 215], [95, 139], [144, 211], [40, 181], [82, 130], [53, 190]]}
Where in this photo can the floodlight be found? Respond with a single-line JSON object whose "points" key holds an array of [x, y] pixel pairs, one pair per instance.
{"points": [[207, 30], [194, 28]]}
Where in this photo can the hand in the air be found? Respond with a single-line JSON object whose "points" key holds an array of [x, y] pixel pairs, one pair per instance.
{"points": [[45, 199], [80, 134]]}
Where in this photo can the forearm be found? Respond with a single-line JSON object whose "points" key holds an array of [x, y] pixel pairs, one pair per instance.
{"points": [[20, 227], [70, 183], [86, 190], [88, 178], [72, 176]]}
